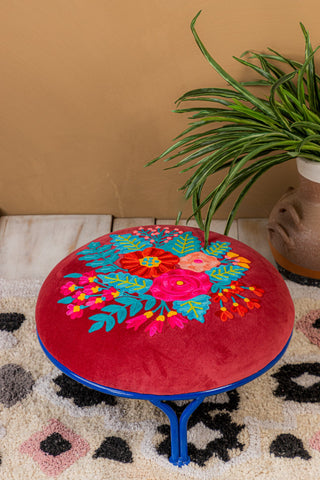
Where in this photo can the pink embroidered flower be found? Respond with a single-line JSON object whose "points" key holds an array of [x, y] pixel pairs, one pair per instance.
{"points": [[175, 319], [156, 326], [136, 322], [91, 289], [79, 297], [96, 303], [89, 277], [198, 262], [68, 288], [75, 311], [149, 263], [180, 285]]}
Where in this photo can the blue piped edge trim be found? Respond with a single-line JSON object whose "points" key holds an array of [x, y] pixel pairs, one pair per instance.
{"points": [[145, 396]]}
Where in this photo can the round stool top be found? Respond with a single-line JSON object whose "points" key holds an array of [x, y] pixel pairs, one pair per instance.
{"points": [[150, 310]]}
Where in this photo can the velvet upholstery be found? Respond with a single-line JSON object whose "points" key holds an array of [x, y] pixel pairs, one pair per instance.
{"points": [[91, 322]]}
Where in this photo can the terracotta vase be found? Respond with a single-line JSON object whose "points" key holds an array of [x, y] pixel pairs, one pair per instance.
{"points": [[294, 227]]}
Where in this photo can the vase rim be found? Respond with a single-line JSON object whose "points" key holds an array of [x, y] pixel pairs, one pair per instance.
{"points": [[309, 169]]}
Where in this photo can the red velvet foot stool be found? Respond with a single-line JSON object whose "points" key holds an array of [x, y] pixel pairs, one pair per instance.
{"points": [[150, 313]]}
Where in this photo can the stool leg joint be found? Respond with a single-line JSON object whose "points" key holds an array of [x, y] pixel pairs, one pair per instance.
{"points": [[178, 429]]}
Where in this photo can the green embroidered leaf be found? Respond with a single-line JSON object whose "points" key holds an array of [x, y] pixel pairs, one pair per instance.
{"points": [[66, 300], [124, 282], [183, 244], [195, 308], [101, 319], [129, 243], [118, 309], [217, 249]]}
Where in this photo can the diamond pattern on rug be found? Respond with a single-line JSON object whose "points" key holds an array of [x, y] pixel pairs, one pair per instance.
{"points": [[55, 448], [114, 448], [288, 446], [310, 325], [15, 384]]}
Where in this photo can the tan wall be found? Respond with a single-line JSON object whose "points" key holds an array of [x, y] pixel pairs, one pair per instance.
{"points": [[87, 90]]}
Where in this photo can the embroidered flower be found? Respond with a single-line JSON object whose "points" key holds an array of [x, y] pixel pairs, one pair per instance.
{"points": [[237, 260], [136, 322], [175, 319], [239, 309], [156, 326], [252, 303], [149, 263], [96, 303], [91, 289], [86, 278], [224, 314], [198, 262], [180, 285], [75, 311], [257, 291], [79, 296], [68, 288]]}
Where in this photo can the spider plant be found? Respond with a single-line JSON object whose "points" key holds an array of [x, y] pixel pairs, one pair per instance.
{"points": [[243, 134]]}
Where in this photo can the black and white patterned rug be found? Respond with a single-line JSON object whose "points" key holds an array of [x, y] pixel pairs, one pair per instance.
{"points": [[53, 427]]}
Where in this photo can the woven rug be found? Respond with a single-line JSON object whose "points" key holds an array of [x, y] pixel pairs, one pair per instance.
{"points": [[52, 427]]}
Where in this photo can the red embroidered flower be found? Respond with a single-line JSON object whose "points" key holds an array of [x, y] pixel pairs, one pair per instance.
{"points": [[149, 263], [224, 314], [180, 285], [257, 291], [252, 303], [198, 262], [239, 309]]}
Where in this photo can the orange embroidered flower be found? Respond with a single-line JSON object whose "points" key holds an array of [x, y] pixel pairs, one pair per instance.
{"points": [[237, 260], [149, 263], [198, 262], [224, 314]]}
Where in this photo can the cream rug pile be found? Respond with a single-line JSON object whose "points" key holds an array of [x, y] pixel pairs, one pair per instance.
{"points": [[52, 427]]}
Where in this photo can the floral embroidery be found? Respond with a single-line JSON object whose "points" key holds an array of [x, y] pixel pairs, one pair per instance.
{"points": [[149, 263], [157, 278], [180, 285], [198, 262]]}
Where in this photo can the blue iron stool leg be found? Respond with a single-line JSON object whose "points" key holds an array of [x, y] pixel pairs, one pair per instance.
{"points": [[178, 429]]}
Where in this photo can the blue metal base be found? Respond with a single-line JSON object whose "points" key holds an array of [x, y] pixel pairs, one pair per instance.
{"points": [[178, 429], [178, 426]]}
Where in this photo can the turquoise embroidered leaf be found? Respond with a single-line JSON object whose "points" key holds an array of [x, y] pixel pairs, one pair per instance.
{"points": [[129, 243], [99, 256], [124, 282], [195, 308], [217, 249], [183, 244], [66, 300], [134, 304], [223, 275], [100, 320], [73, 275], [150, 303], [118, 309]]}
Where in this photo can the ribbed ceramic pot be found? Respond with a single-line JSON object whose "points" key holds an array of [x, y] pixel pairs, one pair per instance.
{"points": [[294, 227]]}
